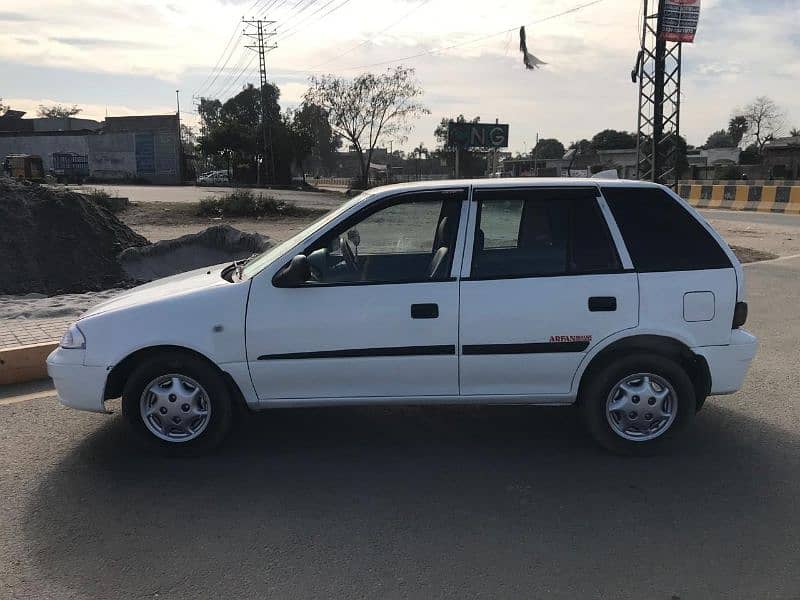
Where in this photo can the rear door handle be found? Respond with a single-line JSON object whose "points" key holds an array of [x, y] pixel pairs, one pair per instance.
{"points": [[424, 311], [603, 304]]}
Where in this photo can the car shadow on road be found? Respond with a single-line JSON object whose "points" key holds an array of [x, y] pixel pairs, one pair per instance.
{"points": [[397, 502]]}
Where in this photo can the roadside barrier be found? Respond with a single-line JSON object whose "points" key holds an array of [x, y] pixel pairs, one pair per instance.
{"points": [[756, 198], [24, 363]]}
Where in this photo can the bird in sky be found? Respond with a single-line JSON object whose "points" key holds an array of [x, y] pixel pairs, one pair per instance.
{"points": [[531, 61]]}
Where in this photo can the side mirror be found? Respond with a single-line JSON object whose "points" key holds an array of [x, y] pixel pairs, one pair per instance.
{"points": [[296, 273]]}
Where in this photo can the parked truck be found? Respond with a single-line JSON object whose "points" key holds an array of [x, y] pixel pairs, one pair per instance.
{"points": [[70, 167], [24, 166]]}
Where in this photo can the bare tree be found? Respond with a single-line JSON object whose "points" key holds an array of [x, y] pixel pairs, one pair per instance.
{"points": [[369, 109], [765, 119], [57, 111]]}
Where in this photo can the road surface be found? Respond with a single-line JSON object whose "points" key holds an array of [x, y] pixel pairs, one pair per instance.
{"points": [[417, 503]]}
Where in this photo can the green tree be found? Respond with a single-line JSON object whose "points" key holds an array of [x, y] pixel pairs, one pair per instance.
{"points": [[750, 155], [233, 130], [56, 111], [442, 131], [3, 108], [368, 109], [737, 128], [611, 139], [549, 148], [311, 122], [720, 139], [795, 132]]}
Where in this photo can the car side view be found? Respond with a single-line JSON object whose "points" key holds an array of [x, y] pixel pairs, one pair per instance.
{"points": [[614, 295]]}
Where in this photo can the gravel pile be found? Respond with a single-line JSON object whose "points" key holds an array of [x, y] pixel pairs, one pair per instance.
{"points": [[56, 242], [216, 245]]}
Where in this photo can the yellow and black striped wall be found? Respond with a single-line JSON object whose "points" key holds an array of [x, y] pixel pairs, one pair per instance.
{"points": [[759, 198]]}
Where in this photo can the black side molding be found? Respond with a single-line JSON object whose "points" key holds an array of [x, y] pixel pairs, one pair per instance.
{"points": [[366, 352], [536, 348], [424, 311], [603, 304]]}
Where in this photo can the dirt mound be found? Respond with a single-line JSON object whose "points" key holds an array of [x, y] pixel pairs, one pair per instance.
{"points": [[215, 245], [54, 241]]}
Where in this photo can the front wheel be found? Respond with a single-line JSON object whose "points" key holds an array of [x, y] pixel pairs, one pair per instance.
{"points": [[636, 403], [177, 402]]}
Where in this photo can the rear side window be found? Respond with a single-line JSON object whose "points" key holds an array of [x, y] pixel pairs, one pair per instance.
{"points": [[540, 232], [660, 234]]}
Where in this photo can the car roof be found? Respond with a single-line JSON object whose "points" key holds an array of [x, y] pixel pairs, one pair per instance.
{"points": [[512, 182]]}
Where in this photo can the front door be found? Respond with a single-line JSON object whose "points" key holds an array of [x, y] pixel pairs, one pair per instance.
{"points": [[379, 316], [544, 286]]}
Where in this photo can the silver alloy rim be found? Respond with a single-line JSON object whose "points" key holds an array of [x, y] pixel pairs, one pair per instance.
{"points": [[175, 408], [641, 407]]}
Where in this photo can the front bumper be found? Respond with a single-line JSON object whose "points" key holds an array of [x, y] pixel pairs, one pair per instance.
{"points": [[729, 364], [78, 386]]}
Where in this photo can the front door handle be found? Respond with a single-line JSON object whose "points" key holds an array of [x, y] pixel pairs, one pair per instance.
{"points": [[603, 304], [424, 311]]}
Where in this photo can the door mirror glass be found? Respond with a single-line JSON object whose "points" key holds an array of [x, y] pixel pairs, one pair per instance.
{"points": [[296, 273]]}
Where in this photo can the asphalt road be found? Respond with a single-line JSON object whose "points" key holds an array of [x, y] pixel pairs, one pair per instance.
{"points": [[418, 503]]}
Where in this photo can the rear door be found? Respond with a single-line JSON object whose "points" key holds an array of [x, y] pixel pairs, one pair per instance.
{"points": [[687, 280], [543, 284]]}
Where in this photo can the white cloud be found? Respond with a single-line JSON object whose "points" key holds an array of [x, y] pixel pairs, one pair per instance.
{"points": [[585, 88]]}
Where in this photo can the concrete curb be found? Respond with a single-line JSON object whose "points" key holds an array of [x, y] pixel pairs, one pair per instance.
{"points": [[25, 363], [766, 198]]}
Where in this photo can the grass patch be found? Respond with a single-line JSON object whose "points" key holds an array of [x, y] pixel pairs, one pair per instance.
{"points": [[244, 203]]}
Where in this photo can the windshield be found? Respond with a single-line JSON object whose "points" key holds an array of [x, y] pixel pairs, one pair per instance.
{"points": [[257, 264]]}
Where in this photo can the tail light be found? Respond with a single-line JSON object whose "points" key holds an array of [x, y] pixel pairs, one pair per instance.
{"points": [[739, 315]]}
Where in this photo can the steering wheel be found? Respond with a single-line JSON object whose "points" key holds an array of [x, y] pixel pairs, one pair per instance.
{"points": [[349, 254]]}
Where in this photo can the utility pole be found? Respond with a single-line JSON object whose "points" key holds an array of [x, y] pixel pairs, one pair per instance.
{"points": [[658, 70], [257, 32], [180, 136]]}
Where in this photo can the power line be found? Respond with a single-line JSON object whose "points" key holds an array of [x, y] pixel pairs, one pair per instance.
{"points": [[291, 32], [475, 40], [290, 19], [212, 72], [242, 67], [374, 35]]}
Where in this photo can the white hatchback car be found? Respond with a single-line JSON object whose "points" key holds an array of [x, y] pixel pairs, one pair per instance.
{"points": [[615, 295]]}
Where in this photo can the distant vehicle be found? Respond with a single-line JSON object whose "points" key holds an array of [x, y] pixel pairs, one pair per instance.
{"points": [[70, 167], [24, 166], [214, 178], [616, 296]]}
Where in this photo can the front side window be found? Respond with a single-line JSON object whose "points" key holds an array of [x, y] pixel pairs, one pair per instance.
{"points": [[540, 232], [409, 238]]}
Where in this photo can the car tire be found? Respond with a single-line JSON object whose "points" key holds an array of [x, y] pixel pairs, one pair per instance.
{"points": [[178, 403], [618, 408]]}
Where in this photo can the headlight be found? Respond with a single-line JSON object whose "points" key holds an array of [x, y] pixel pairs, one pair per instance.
{"points": [[73, 338]]}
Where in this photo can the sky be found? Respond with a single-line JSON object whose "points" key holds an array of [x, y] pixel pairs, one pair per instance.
{"points": [[129, 57]]}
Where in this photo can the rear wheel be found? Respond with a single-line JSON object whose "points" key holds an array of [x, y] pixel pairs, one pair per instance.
{"points": [[178, 402], [636, 403]]}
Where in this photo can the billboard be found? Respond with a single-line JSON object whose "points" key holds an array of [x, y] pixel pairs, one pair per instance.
{"points": [[680, 20], [477, 135]]}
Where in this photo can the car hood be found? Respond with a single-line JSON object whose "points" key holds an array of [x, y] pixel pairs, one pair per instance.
{"points": [[182, 283]]}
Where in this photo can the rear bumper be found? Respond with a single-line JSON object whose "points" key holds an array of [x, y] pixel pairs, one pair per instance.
{"points": [[78, 386], [729, 365]]}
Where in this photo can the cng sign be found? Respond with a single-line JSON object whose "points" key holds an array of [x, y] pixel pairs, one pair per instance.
{"points": [[477, 135]]}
